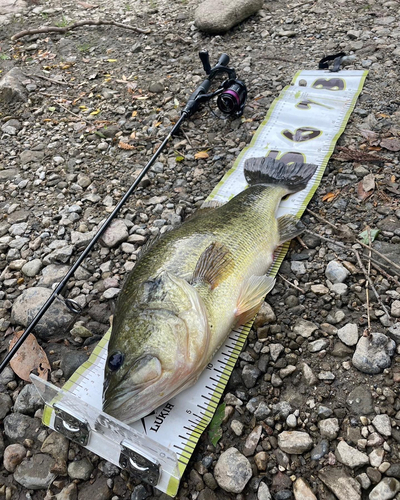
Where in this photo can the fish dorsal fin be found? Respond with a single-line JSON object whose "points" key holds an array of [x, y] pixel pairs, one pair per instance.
{"points": [[212, 263], [251, 296], [289, 226]]}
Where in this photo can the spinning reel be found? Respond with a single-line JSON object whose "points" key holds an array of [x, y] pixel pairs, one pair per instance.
{"points": [[232, 93]]}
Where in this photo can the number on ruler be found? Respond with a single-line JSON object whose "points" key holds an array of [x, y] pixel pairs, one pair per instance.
{"points": [[290, 157], [302, 134], [332, 84]]}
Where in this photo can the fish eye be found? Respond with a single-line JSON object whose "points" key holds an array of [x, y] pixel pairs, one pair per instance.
{"points": [[115, 361]]}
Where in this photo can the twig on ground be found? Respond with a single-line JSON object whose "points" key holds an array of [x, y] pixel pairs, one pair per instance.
{"points": [[291, 284], [387, 275], [85, 22], [370, 282], [47, 79], [74, 114], [302, 242]]}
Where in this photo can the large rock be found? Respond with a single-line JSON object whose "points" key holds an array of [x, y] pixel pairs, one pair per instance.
{"points": [[342, 485], [385, 490], [55, 321], [373, 354], [294, 442], [232, 471], [350, 456], [12, 88], [34, 473], [219, 17]]}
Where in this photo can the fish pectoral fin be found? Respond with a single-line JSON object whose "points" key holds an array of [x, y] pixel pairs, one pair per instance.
{"points": [[289, 227], [213, 262], [251, 297]]}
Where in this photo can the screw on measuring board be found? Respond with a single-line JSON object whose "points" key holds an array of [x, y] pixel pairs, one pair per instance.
{"points": [[124, 463]]}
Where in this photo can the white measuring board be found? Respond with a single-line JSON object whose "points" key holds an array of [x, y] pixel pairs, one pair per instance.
{"points": [[303, 124]]}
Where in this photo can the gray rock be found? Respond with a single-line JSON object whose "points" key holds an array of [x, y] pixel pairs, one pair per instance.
{"points": [[156, 87], [364, 480], [348, 334], [51, 274], [80, 469], [6, 376], [394, 332], [34, 473], [82, 239], [71, 361], [350, 456], [250, 375], [31, 156], [57, 446], [32, 268], [97, 490], [360, 401], [232, 471], [58, 255], [385, 489], [275, 351], [395, 309], [283, 409], [383, 425], [2, 446], [373, 354], [308, 375], [28, 400], [56, 319], [252, 441], [12, 88], [116, 233], [294, 442], [320, 450], [139, 493], [329, 428], [340, 483], [13, 456], [213, 17], [394, 471], [18, 427], [324, 411], [265, 315], [304, 328], [318, 345], [5, 404], [263, 492], [336, 272]]}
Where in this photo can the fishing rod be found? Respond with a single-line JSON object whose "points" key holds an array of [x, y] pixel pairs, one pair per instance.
{"points": [[231, 99]]}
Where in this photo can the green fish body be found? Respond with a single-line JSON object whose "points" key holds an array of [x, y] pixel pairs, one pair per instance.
{"points": [[192, 286]]}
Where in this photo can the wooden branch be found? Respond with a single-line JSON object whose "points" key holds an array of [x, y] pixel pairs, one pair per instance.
{"points": [[85, 22]]}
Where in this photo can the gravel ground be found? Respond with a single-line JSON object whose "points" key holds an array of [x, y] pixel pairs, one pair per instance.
{"points": [[312, 408]]}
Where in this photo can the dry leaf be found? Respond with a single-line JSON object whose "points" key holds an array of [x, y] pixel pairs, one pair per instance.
{"points": [[362, 193], [124, 145], [391, 143], [201, 154], [372, 137], [28, 358], [330, 196]]}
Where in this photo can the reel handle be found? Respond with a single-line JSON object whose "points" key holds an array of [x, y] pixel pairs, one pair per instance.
{"points": [[223, 60]]}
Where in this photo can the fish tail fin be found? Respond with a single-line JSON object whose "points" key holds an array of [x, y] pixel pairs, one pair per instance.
{"points": [[293, 176]]}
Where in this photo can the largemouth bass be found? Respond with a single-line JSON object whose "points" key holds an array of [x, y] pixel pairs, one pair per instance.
{"points": [[192, 286]]}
